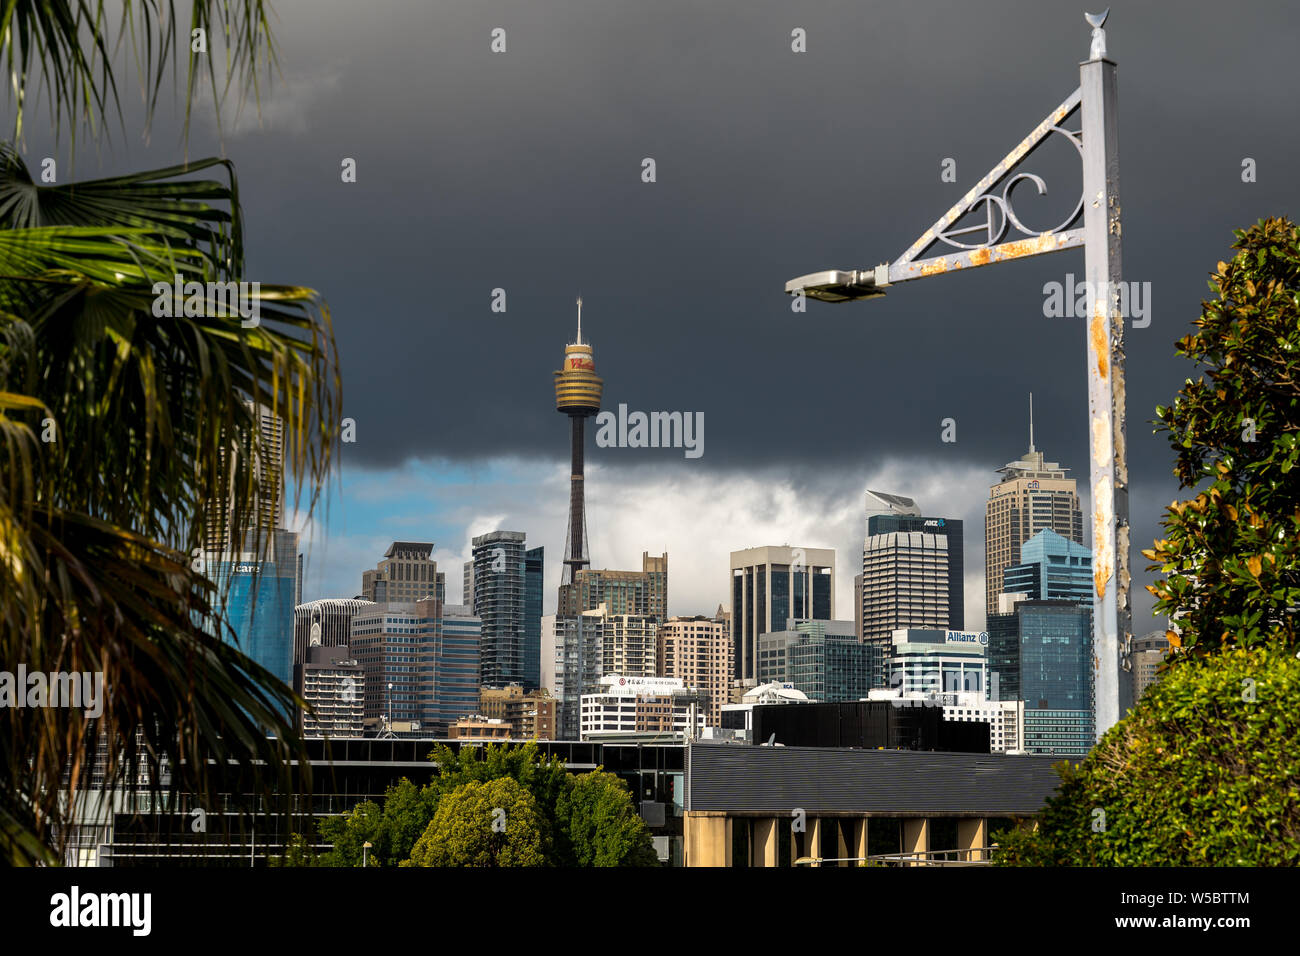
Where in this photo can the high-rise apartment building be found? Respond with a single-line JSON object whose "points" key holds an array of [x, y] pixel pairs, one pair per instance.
{"points": [[630, 644], [1033, 494], [507, 582], [913, 571], [407, 573], [770, 585], [333, 685], [579, 647], [698, 652], [643, 592], [589, 645]]}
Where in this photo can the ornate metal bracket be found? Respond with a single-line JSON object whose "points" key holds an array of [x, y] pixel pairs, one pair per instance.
{"points": [[999, 214]]}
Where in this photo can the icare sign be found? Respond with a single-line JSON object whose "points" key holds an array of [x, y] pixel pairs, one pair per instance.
{"points": [[968, 637]]}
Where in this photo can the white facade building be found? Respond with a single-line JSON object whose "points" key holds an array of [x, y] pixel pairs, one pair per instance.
{"points": [[642, 705]]}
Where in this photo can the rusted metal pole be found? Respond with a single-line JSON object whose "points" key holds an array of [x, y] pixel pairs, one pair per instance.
{"points": [[1108, 458]]}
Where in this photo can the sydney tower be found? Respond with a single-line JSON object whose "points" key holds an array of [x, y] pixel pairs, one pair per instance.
{"points": [[577, 394]]}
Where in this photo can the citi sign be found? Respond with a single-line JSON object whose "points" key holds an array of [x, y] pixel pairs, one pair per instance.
{"points": [[968, 637]]}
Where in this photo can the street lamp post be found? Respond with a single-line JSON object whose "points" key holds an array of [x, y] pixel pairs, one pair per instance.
{"points": [[986, 243]]}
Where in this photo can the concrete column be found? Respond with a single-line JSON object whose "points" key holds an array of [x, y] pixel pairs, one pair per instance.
{"points": [[860, 838], [842, 840], [707, 839], [763, 845], [813, 840], [972, 835], [916, 835]]}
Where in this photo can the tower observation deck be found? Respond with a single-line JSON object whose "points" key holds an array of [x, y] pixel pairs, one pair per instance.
{"points": [[578, 390]]}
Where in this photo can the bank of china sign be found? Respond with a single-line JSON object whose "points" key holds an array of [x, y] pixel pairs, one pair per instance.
{"points": [[968, 637]]}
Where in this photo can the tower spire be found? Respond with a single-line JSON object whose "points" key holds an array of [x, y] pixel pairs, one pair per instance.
{"points": [[579, 320], [1031, 423]]}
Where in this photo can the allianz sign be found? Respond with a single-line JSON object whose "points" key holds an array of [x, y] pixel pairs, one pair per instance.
{"points": [[968, 637]]}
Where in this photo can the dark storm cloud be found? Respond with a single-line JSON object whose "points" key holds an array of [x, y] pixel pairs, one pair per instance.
{"points": [[522, 171]]}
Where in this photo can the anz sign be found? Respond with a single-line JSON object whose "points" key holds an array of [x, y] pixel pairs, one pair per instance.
{"points": [[968, 637]]}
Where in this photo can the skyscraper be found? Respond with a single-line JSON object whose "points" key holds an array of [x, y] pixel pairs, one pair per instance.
{"points": [[771, 585], [579, 646], [534, 575], [1033, 494], [1051, 568], [407, 573], [1041, 653], [698, 652], [578, 392], [334, 618], [421, 660], [259, 469], [507, 598], [263, 591], [913, 572], [643, 592], [260, 575]]}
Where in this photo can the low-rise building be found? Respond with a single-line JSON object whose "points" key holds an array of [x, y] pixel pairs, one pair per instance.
{"points": [[479, 727], [531, 715], [643, 705]]}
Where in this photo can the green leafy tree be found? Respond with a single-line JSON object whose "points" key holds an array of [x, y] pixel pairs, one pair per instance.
{"points": [[1231, 555], [600, 825], [391, 829], [297, 852], [119, 426], [492, 823], [350, 832], [545, 778], [1202, 772]]}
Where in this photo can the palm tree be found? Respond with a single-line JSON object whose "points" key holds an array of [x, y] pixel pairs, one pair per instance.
{"points": [[119, 427]]}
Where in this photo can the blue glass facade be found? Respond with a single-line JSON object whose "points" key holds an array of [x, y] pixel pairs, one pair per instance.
{"points": [[830, 667], [534, 571], [260, 601], [1054, 676], [457, 668], [1051, 568]]}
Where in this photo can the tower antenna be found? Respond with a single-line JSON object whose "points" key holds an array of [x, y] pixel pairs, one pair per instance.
{"points": [[579, 320], [1031, 423]]}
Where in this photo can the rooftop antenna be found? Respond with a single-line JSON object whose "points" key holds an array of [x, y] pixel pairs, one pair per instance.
{"points": [[1031, 423], [579, 320]]}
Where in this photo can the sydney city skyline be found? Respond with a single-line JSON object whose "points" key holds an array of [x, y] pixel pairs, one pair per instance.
{"points": [[442, 436]]}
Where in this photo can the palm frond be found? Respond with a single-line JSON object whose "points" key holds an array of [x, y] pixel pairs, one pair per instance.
{"points": [[67, 49]]}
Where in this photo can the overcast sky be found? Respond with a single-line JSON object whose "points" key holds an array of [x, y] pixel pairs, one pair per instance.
{"points": [[522, 171]]}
